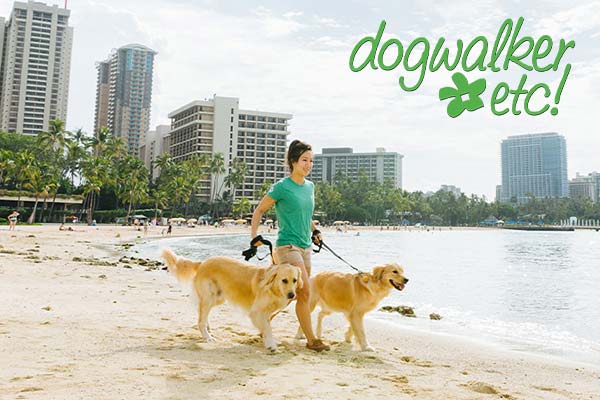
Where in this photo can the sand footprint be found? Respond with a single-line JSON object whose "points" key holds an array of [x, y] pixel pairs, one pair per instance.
{"points": [[484, 388]]}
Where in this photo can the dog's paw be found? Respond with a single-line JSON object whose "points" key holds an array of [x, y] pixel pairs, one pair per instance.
{"points": [[272, 346], [209, 339]]}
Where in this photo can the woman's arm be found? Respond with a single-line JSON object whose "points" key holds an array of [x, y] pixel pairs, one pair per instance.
{"points": [[266, 203]]}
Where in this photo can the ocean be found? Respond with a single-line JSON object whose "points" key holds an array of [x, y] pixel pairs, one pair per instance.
{"points": [[535, 292]]}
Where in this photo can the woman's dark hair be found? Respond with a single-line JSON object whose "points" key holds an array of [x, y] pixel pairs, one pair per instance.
{"points": [[296, 149]]}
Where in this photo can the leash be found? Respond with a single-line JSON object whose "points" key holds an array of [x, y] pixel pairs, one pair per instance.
{"points": [[251, 252], [323, 244]]}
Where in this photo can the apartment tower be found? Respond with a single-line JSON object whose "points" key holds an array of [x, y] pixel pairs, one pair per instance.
{"points": [[218, 125], [534, 165], [124, 94], [35, 48]]}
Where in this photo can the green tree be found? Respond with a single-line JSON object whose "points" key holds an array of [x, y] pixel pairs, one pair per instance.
{"points": [[241, 207]]}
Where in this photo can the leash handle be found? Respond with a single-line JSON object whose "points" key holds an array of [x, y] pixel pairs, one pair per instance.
{"points": [[251, 252]]}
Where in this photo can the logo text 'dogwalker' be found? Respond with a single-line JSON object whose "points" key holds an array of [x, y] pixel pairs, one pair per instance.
{"points": [[508, 50]]}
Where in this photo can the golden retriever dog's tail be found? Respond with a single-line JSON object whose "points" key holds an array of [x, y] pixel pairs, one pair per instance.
{"points": [[183, 269]]}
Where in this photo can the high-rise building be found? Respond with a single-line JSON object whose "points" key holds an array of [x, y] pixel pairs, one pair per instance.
{"points": [[35, 65], [155, 143], [379, 166], [534, 164], [585, 186], [451, 189], [124, 94], [218, 125]]}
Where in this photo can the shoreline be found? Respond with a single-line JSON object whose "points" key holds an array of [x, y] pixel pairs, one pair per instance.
{"points": [[75, 329]]}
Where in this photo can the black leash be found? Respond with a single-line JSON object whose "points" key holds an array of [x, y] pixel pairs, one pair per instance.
{"points": [[251, 252], [322, 244]]}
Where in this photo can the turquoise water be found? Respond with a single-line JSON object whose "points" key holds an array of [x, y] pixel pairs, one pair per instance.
{"points": [[528, 291]]}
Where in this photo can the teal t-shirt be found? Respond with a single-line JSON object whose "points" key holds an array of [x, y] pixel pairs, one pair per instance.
{"points": [[294, 205]]}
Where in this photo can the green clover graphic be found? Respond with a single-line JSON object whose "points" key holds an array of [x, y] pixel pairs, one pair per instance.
{"points": [[473, 90]]}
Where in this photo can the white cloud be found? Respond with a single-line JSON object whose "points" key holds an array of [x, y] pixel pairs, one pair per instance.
{"points": [[297, 62], [566, 24]]}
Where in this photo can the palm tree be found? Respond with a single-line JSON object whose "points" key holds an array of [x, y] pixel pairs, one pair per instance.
{"points": [[98, 143], [160, 198], [163, 162], [24, 162], [242, 206], [39, 183], [216, 168], [180, 189], [132, 175], [237, 175], [95, 173], [7, 164], [55, 137]]}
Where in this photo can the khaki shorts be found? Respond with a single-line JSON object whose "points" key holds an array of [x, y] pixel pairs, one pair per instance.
{"points": [[293, 255]]}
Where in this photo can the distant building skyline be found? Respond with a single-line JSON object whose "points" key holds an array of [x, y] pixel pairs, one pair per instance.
{"points": [[534, 164], [35, 63], [377, 166], [218, 125], [156, 142], [585, 186], [124, 94], [451, 189]]}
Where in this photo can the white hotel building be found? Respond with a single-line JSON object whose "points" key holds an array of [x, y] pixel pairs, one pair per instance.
{"points": [[218, 125], [35, 63]]}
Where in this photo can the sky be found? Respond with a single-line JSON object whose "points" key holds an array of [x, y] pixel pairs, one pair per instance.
{"points": [[293, 57]]}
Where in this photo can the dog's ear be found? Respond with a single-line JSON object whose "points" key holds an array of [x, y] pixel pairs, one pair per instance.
{"points": [[270, 276], [378, 273]]}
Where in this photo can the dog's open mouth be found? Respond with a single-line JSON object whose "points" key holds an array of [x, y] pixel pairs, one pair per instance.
{"points": [[397, 286]]}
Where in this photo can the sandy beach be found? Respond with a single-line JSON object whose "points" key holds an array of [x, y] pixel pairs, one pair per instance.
{"points": [[79, 322]]}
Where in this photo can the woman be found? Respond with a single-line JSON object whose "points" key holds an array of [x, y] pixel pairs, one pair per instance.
{"points": [[12, 220], [294, 202]]}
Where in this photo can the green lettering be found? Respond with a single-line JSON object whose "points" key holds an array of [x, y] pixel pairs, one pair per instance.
{"points": [[499, 100], [374, 44], [538, 55], [562, 48], [398, 56], [445, 54], [513, 47], [421, 63], [480, 61], [497, 50], [531, 93], [517, 92]]}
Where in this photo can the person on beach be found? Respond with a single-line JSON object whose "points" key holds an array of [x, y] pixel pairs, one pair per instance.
{"points": [[294, 202], [169, 229], [12, 220]]}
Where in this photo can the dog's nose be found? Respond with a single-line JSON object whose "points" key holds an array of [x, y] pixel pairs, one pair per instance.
{"points": [[405, 280], [291, 295]]}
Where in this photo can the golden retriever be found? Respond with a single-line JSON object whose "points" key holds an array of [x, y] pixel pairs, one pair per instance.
{"points": [[354, 295], [260, 291]]}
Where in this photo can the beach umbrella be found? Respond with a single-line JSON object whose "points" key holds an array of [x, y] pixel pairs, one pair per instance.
{"points": [[228, 221], [338, 222], [240, 221], [269, 221], [316, 222], [192, 221], [173, 220]]}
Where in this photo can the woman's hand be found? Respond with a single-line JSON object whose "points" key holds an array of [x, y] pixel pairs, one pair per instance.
{"points": [[317, 237]]}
